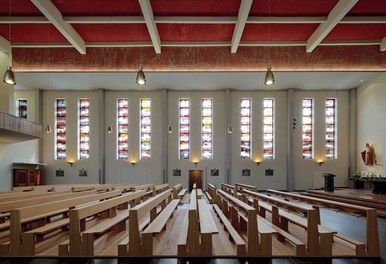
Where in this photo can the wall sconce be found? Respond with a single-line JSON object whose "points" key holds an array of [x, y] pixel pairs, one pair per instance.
{"points": [[320, 163], [170, 129], [133, 163], [195, 163], [71, 163], [230, 130], [258, 163], [48, 129]]}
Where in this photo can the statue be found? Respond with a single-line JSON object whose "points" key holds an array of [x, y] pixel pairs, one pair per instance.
{"points": [[368, 155]]}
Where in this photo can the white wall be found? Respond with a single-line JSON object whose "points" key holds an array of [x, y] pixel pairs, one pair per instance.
{"points": [[304, 170], [278, 164], [71, 174], [144, 171], [218, 144], [371, 126]]}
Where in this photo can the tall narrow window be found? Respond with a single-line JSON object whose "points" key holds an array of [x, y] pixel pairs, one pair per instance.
{"points": [[60, 129], [184, 127], [307, 134], [330, 128], [207, 128], [145, 129], [21, 108], [268, 128], [84, 128], [123, 129], [245, 128]]}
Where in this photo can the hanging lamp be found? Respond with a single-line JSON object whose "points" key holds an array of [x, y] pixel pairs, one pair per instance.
{"points": [[141, 79], [269, 78], [9, 76]]}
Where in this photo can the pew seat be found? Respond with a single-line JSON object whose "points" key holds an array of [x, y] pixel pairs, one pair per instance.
{"points": [[181, 194], [39, 232]]}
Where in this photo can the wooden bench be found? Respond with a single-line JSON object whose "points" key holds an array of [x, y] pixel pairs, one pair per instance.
{"points": [[181, 194], [176, 189], [21, 243], [81, 241], [236, 238], [211, 189], [241, 186], [209, 197], [199, 194], [259, 238], [157, 226], [136, 245], [207, 227], [160, 188], [315, 246], [372, 237]]}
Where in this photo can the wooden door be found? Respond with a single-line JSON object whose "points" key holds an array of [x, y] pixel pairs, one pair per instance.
{"points": [[20, 177], [195, 177]]}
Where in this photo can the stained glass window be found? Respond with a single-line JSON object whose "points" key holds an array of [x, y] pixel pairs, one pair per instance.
{"points": [[21, 108], [268, 129], [184, 129], [307, 134], [330, 128], [60, 129], [84, 128], [245, 128], [145, 129], [207, 128], [122, 128]]}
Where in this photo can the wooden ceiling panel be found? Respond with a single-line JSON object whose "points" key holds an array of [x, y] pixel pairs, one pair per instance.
{"points": [[98, 7], [195, 32], [195, 7], [292, 7], [112, 32], [357, 32], [369, 7], [32, 33], [278, 32], [19, 8]]}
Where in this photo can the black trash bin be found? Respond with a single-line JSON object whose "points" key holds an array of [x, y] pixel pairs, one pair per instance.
{"points": [[328, 182]]}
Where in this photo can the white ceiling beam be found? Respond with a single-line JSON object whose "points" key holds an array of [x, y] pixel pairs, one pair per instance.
{"points": [[192, 20], [244, 9], [196, 44], [383, 44], [4, 45], [336, 15], [151, 26], [52, 14]]}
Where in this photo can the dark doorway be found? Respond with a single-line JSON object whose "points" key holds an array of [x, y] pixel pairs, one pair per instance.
{"points": [[195, 176]]}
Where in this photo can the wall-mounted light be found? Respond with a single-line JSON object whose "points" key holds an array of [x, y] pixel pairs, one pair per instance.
{"points": [[230, 130], [71, 163], [132, 163], [320, 162], [109, 130], [195, 162], [48, 129], [170, 129], [257, 163]]}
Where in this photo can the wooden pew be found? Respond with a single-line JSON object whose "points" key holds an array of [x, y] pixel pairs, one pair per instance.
{"points": [[233, 235], [176, 189], [241, 186], [160, 188], [155, 227], [230, 189], [29, 195], [23, 244], [259, 235], [136, 245], [81, 241], [372, 246], [211, 189], [319, 238]]}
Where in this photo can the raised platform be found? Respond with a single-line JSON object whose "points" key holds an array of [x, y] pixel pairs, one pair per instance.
{"points": [[362, 197]]}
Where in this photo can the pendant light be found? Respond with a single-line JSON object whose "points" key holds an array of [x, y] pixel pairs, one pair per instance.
{"points": [[269, 78], [9, 76], [141, 79]]}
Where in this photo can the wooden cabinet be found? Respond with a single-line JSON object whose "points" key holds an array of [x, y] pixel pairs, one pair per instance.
{"points": [[26, 177]]}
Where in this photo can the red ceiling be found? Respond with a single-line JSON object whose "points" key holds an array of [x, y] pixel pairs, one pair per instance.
{"points": [[192, 32]]}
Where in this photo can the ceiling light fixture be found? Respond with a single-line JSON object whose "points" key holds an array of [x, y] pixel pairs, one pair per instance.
{"points": [[269, 78], [141, 79], [9, 76]]}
